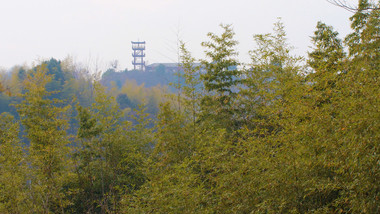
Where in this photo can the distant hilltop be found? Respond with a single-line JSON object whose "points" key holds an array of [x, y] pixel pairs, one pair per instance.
{"points": [[155, 74], [167, 67]]}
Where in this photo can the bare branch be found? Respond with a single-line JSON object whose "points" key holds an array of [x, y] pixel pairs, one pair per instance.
{"points": [[343, 4], [347, 6]]}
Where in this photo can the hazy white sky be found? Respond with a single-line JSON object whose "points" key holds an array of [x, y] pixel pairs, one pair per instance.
{"points": [[102, 30]]}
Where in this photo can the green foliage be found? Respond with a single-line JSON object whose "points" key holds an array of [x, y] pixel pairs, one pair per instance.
{"points": [[45, 126], [174, 140], [328, 53], [276, 137], [5, 102], [221, 72], [271, 83], [220, 79], [59, 172], [309, 143], [124, 101], [327, 61], [58, 79], [108, 163], [5, 99], [192, 86], [13, 169]]}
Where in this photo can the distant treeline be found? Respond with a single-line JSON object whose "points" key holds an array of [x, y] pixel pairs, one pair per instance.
{"points": [[282, 134], [132, 88], [158, 76]]}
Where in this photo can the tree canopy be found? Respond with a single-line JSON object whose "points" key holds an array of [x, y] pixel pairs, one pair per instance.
{"points": [[281, 134]]}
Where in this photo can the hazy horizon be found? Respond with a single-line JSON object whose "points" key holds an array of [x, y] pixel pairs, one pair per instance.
{"points": [[102, 30]]}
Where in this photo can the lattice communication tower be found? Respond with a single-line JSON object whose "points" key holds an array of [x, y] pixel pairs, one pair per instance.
{"points": [[138, 55]]}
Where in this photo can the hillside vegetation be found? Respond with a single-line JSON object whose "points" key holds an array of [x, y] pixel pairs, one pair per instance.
{"points": [[282, 134]]}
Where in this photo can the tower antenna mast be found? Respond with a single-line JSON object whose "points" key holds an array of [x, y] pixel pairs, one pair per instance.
{"points": [[138, 55]]}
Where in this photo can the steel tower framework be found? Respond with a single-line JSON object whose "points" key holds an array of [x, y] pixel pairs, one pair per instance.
{"points": [[138, 55]]}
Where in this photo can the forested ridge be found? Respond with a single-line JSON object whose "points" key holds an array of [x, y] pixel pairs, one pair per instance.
{"points": [[282, 134]]}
